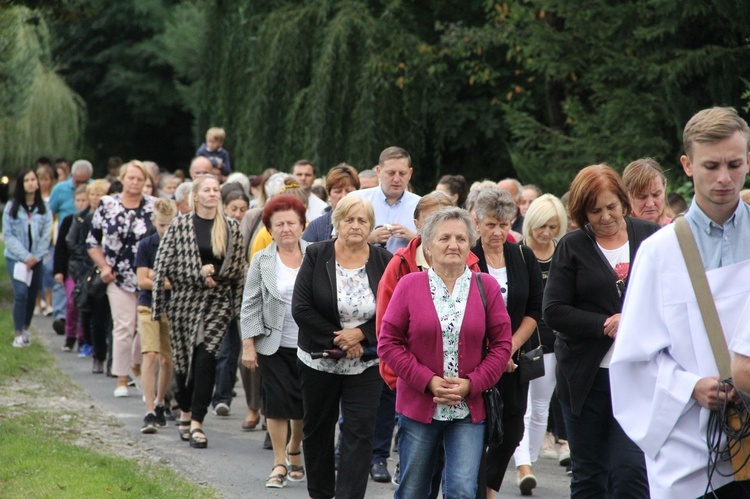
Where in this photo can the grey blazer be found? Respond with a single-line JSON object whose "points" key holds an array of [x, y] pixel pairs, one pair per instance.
{"points": [[262, 315]]}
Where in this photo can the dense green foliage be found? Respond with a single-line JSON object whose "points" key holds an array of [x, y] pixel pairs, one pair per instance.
{"points": [[487, 88], [39, 113], [112, 56]]}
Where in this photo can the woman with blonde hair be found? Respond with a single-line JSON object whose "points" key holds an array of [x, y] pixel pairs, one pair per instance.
{"points": [[647, 190], [118, 225], [544, 224], [202, 257], [334, 306]]}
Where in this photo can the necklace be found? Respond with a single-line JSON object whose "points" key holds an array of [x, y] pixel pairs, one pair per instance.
{"points": [[492, 264]]}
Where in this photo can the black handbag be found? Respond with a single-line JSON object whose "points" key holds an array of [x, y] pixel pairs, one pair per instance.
{"points": [[493, 424], [90, 287], [493, 401], [531, 363]]}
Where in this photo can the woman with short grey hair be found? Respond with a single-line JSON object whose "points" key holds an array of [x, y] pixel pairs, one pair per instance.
{"points": [[437, 354], [434, 220], [517, 271]]}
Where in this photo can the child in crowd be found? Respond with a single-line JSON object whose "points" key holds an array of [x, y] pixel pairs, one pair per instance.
{"points": [[67, 267], [155, 345], [168, 185], [213, 149]]}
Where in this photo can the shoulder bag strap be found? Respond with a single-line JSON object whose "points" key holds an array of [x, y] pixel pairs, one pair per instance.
{"points": [[523, 257], [703, 295], [480, 286]]}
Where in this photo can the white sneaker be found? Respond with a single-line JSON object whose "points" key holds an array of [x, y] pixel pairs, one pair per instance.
{"points": [[26, 335], [121, 391], [48, 311], [221, 409], [18, 342]]}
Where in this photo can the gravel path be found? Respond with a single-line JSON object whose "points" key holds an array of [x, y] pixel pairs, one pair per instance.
{"points": [[234, 463]]}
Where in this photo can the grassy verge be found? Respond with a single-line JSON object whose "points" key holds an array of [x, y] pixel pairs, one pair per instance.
{"points": [[38, 441]]}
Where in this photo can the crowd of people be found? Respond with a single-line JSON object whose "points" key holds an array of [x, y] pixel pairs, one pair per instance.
{"points": [[350, 300]]}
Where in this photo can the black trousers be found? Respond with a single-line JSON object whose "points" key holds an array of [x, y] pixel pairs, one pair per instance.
{"points": [[359, 397], [384, 424], [515, 400], [194, 389], [98, 322]]}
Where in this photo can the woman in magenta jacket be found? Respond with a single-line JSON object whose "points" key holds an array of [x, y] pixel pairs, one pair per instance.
{"points": [[437, 353]]}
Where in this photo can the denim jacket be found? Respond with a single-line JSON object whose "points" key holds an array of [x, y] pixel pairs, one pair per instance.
{"points": [[16, 234]]}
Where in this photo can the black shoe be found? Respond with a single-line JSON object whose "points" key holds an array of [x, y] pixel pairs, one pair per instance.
{"points": [[69, 345], [149, 423], [59, 326], [396, 474], [569, 470], [161, 420], [267, 442], [98, 367], [169, 414], [379, 472]]}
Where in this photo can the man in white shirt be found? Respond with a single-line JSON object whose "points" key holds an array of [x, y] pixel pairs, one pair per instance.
{"points": [[304, 172], [663, 374], [393, 203]]}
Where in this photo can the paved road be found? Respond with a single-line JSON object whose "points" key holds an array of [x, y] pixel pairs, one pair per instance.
{"points": [[234, 462]]}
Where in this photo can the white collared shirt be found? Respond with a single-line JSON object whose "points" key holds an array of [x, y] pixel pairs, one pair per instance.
{"points": [[400, 212]]}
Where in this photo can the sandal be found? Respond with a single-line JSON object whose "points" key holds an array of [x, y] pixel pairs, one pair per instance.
{"points": [[296, 473], [183, 427], [276, 480], [250, 425], [196, 440]]}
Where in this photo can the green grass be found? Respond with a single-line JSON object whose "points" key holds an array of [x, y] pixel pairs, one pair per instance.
{"points": [[37, 466], [37, 455]]}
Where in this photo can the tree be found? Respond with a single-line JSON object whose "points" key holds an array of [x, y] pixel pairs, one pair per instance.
{"points": [[614, 81], [340, 80], [113, 56], [39, 113]]}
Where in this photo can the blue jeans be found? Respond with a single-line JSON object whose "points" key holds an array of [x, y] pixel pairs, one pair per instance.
{"points": [[418, 446], [606, 463], [24, 297], [226, 366]]}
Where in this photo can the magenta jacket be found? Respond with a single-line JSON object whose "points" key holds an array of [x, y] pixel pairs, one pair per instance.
{"points": [[411, 343]]}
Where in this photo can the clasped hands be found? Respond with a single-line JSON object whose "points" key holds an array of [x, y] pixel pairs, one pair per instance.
{"points": [[349, 341], [449, 391]]}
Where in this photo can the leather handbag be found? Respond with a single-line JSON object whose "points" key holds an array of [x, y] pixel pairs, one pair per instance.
{"points": [[531, 363], [88, 288], [733, 420], [493, 401]]}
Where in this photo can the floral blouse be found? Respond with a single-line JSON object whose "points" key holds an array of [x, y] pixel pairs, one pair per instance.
{"points": [[117, 231], [356, 303], [450, 309]]}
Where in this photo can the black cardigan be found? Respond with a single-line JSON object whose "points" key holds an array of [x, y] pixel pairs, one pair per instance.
{"points": [[525, 291], [525, 286], [314, 302], [580, 295]]}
